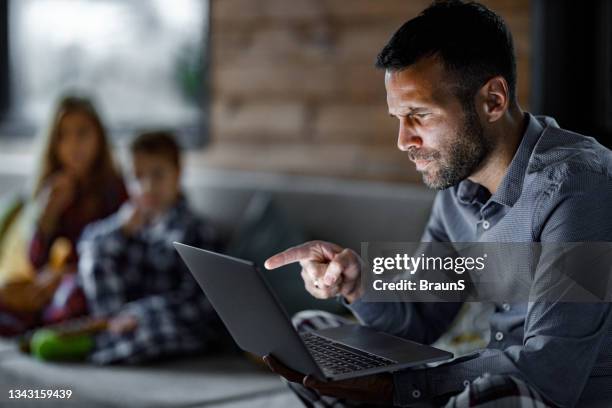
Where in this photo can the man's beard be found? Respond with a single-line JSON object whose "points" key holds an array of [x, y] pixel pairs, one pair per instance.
{"points": [[465, 154]]}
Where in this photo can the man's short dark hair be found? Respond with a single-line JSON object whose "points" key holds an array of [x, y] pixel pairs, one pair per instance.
{"points": [[472, 41], [159, 143]]}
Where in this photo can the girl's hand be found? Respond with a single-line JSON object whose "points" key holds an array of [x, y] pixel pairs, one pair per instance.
{"points": [[30, 296], [60, 194]]}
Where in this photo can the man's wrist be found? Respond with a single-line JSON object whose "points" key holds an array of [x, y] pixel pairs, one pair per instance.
{"points": [[350, 299], [354, 296]]}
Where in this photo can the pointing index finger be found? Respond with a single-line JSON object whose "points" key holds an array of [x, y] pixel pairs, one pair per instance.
{"points": [[288, 256]]}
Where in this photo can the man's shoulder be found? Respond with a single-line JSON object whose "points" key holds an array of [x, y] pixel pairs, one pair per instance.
{"points": [[560, 156], [571, 170]]}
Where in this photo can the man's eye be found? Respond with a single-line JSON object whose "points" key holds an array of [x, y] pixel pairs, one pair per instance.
{"points": [[418, 115]]}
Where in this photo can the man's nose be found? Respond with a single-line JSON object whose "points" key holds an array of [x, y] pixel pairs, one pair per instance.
{"points": [[407, 137]]}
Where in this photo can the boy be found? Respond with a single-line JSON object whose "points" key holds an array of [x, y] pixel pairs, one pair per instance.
{"points": [[130, 272]]}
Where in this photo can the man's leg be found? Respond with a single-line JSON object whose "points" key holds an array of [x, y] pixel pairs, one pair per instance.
{"points": [[492, 391], [309, 320], [498, 391]]}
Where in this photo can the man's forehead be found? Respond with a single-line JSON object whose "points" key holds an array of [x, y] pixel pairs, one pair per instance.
{"points": [[425, 82]]}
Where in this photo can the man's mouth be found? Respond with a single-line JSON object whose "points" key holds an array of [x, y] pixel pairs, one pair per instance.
{"points": [[421, 164], [422, 158]]}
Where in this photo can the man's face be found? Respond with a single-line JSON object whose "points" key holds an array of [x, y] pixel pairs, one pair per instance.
{"points": [[444, 139]]}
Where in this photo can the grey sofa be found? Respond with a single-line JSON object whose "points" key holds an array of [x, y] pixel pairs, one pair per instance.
{"points": [[345, 212]]}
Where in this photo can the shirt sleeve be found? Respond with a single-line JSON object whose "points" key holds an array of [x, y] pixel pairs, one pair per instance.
{"points": [[417, 321], [184, 308], [39, 248], [559, 337], [40, 242], [104, 252], [168, 315]]}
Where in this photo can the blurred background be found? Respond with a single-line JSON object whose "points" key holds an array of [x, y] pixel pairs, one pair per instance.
{"points": [[270, 85], [284, 123]]}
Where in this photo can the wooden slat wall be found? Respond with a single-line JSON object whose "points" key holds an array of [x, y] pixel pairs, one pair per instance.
{"points": [[295, 91]]}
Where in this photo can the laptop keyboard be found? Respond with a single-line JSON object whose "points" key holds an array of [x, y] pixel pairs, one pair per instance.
{"points": [[335, 358]]}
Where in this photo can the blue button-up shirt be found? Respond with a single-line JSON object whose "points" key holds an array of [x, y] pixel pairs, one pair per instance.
{"points": [[558, 188]]}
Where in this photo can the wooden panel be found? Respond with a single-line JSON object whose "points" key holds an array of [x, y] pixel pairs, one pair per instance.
{"points": [[295, 88]]}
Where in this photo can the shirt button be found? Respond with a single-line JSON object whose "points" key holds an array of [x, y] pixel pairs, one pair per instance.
{"points": [[499, 336], [416, 394], [486, 224], [506, 306], [466, 383]]}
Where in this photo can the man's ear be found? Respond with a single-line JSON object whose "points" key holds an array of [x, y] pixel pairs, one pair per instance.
{"points": [[494, 98]]}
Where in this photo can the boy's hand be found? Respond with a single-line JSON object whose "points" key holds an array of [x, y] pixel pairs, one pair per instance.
{"points": [[134, 218], [122, 323], [376, 388]]}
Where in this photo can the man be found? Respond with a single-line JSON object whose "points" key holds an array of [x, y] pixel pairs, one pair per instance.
{"points": [[504, 176]]}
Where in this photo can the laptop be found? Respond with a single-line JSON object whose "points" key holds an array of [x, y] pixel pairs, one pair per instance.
{"points": [[259, 324]]}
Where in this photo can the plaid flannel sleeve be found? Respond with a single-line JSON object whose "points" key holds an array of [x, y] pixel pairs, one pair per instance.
{"points": [[104, 255], [185, 303]]}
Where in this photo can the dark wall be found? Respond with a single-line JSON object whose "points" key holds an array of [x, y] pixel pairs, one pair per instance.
{"points": [[571, 64]]}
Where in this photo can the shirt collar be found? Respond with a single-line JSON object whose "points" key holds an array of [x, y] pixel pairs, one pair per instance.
{"points": [[469, 192], [511, 185]]}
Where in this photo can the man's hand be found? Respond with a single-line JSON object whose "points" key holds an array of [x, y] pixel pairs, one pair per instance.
{"points": [[327, 269], [376, 388]]}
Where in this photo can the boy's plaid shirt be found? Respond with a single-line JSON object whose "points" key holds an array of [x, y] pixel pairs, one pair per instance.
{"points": [[143, 276]]}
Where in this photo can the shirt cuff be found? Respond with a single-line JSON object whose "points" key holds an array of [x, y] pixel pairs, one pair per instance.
{"points": [[410, 387], [365, 312]]}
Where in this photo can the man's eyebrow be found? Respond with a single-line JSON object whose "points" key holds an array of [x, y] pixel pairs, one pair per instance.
{"points": [[409, 110]]}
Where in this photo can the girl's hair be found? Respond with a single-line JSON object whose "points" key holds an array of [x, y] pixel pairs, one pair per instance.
{"points": [[49, 163]]}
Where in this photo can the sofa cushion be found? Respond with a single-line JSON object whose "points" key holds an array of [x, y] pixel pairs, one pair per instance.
{"points": [[202, 380], [346, 212]]}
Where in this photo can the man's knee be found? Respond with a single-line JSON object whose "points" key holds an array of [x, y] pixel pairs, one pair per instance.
{"points": [[498, 391]]}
